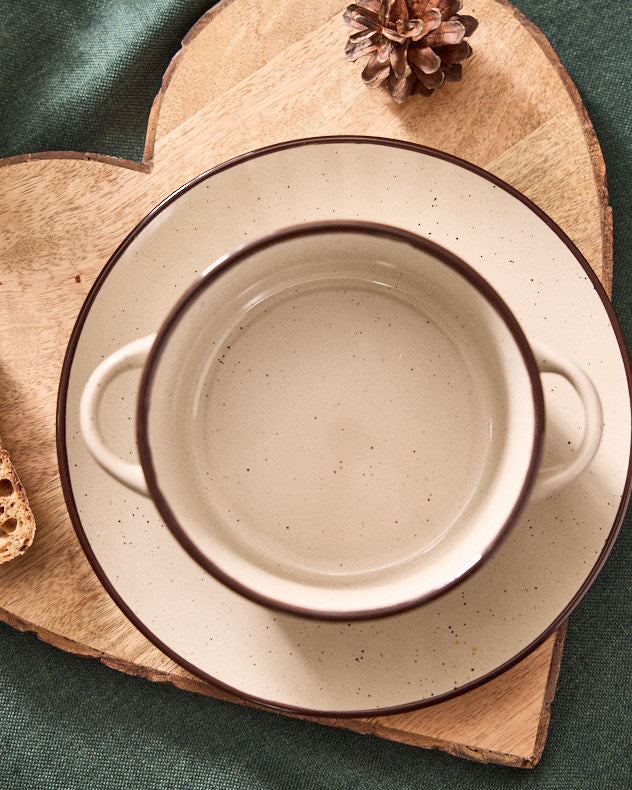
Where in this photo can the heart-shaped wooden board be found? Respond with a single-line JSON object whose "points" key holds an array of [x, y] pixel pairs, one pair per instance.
{"points": [[516, 113]]}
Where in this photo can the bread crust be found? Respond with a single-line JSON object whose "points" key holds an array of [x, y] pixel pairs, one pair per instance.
{"points": [[17, 524]]}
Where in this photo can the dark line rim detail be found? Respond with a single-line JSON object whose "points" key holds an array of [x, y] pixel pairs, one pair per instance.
{"points": [[232, 259], [64, 469]]}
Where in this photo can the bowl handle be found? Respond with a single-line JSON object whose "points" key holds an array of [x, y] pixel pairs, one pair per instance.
{"points": [[132, 355], [551, 479]]}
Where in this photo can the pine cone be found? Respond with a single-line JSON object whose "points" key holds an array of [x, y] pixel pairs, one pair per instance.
{"points": [[413, 46]]}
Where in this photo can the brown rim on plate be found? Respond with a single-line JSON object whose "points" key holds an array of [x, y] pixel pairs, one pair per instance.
{"points": [[233, 258], [65, 470]]}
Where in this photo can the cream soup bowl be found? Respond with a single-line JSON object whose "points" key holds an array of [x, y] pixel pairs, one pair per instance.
{"points": [[341, 419]]}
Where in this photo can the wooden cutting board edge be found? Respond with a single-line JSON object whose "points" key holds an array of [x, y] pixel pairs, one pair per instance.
{"points": [[193, 684], [369, 726]]}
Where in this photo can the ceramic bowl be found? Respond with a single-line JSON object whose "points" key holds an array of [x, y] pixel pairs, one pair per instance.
{"points": [[340, 419]]}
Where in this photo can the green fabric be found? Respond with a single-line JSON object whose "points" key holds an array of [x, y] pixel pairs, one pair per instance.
{"points": [[81, 75]]}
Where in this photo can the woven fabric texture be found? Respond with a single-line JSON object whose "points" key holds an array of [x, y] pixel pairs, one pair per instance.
{"points": [[81, 75]]}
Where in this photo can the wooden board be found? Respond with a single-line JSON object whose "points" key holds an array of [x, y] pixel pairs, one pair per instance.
{"points": [[228, 91]]}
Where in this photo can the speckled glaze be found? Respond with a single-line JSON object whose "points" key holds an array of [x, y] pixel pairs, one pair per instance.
{"points": [[527, 587], [340, 420]]}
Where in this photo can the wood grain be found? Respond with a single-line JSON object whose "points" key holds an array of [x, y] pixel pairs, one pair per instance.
{"points": [[516, 113]]}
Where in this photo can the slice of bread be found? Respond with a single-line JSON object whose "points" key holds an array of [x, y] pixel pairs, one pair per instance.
{"points": [[17, 525]]}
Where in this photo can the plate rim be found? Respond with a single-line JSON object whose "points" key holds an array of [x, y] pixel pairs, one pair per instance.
{"points": [[62, 454]]}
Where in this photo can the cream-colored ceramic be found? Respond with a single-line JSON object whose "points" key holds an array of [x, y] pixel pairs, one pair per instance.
{"points": [[340, 419], [516, 598]]}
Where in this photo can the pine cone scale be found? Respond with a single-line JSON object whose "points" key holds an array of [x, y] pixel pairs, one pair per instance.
{"points": [[469, 23], [432, 19], [361, 47], [399, 62], [393, 35], [400, 89], [456, 54], [375, 72], [448, 8], [424, 58], [434, 80], [351, 15], [452, 72], [447, 33]]}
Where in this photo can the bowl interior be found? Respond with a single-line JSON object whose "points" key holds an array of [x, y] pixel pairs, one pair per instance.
{"points": [[340, 420]]}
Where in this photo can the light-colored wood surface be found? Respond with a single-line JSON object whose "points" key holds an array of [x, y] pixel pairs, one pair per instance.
{"points": [[515, 113]]}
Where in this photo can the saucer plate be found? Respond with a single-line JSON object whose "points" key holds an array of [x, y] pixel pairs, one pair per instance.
{"points": [[529, 585]]}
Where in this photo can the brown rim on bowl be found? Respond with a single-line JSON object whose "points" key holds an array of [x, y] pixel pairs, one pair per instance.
{"points": [[145, 628], [206, 281]]}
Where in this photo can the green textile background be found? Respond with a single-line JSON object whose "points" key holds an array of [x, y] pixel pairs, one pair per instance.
{"points": [[81, 75]]}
